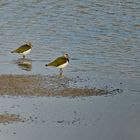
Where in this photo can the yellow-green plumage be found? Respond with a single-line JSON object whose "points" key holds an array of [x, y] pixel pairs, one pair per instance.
{"points": [[59, 61], [22, 49]]}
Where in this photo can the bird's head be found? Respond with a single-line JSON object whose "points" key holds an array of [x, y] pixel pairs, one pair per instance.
{"points": [[29, 43], [66, 55]]}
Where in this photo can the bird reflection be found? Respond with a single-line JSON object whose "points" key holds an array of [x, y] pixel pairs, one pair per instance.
{"points": [[24, 64]]}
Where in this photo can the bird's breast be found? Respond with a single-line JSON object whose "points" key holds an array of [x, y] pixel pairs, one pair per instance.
{"points": [[63, 65], [26, 52]]}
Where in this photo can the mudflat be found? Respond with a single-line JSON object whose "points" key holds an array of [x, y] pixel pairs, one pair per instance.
{"points": [[8, 118], [38, 85]]}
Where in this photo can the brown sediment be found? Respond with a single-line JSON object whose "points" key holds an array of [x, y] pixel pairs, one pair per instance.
{"points": [[8, 118], [37, 85], [77, 92]]}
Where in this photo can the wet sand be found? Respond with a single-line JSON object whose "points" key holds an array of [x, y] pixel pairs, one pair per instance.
{"points": [[44, 105], [9, 118], [38, 85]]}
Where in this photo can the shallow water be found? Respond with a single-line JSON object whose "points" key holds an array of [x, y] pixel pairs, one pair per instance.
{"points": [[102, 39]]}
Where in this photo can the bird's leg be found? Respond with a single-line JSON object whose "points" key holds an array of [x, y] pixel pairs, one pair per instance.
{"points": [[61, 71], [23, 56]]}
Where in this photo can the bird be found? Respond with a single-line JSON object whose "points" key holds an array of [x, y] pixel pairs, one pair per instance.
{"points": [[23, 49], [60, 62]]}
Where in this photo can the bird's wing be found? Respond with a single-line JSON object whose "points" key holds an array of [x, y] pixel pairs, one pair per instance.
{"points": [[58, 61], [22, 49]]}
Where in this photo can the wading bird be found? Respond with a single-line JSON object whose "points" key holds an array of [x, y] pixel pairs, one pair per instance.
{"points": [[60, 62], [23, 49]]}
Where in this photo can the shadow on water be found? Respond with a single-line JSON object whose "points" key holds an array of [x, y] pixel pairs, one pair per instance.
{"points": [[24, 64]]}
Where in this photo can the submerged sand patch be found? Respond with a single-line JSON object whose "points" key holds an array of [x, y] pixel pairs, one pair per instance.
{"points": [[8, 118], [38, 85]]}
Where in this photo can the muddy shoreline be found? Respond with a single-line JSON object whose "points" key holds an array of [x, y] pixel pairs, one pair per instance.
{"points": [[9, 118], [43, 86], [38, 85]]}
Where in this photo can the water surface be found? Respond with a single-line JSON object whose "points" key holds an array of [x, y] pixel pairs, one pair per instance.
{"points": [[102, 39]]}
